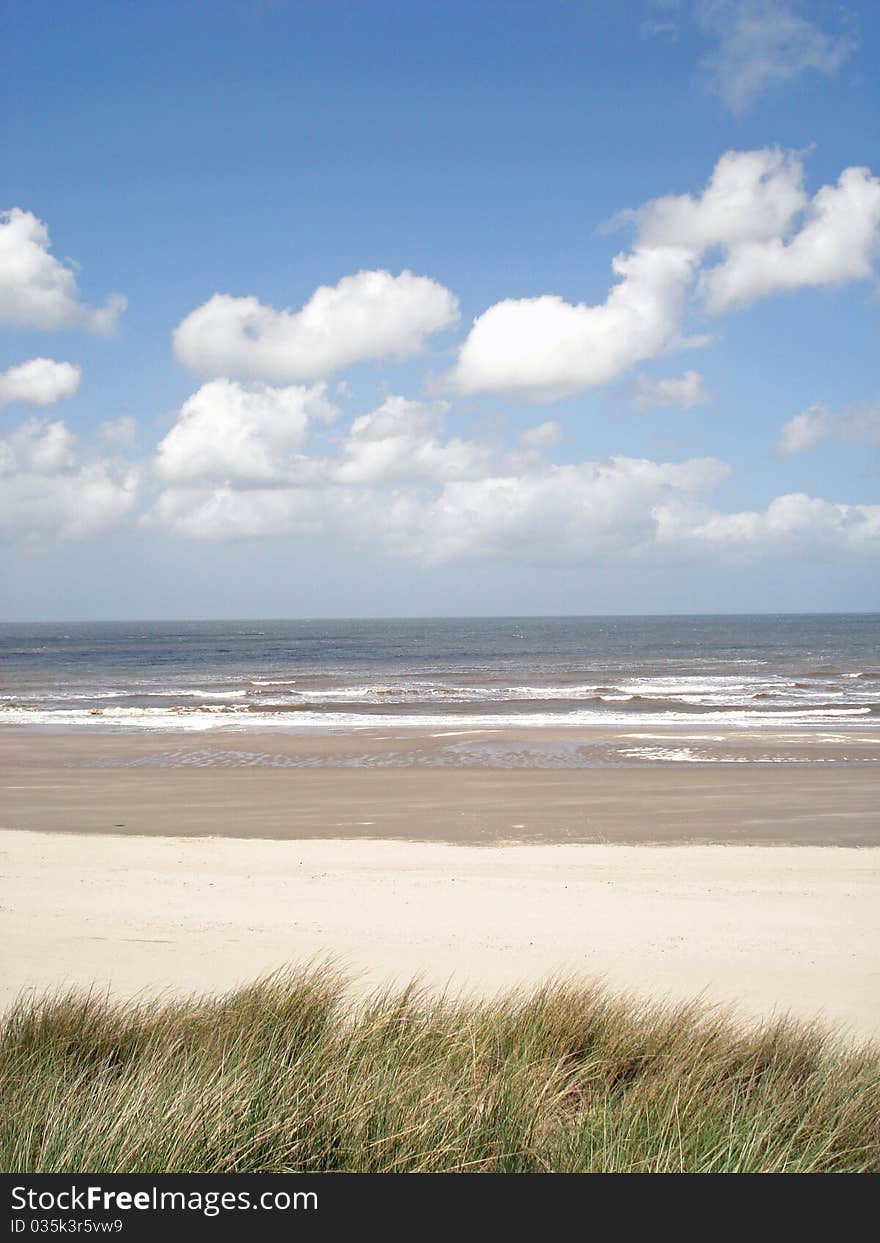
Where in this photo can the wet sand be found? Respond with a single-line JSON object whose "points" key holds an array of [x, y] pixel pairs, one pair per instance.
{"points": [[415, 788]]}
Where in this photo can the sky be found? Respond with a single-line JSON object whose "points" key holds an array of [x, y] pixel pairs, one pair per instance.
{"points": [[330, 308]]}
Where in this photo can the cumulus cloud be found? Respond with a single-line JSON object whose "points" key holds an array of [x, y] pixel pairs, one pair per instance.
{"points": [[227, 513], [36, 289], [236, 466], [771, 235], [546, 348], [752, 231], [51, 489], [794, 524], [574, 514], [624, 511], [859, 422], [684, 392], [248, 434], [401, 441], [398, 483], [764, 44], [552, 514], [750, 196], [36, 447], [38, 382], [838, 242], [367, 315], [252, 435]]}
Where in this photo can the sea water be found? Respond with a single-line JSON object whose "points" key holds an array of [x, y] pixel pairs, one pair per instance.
{"points": [[759, 672]]}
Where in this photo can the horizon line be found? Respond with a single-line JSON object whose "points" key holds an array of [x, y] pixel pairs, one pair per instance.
{"points": [[120, 621]]}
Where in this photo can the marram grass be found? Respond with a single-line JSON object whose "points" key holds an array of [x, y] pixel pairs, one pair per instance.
{"points": [[292, 1075]]}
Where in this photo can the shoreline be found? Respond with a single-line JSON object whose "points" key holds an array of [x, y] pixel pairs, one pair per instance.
{"points": [[418, 789]]}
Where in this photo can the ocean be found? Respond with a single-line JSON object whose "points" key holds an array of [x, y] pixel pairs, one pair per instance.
{"points": [[757, 672]]}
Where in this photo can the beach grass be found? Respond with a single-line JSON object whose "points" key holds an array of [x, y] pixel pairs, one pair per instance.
{"points": [[293, 1074]]}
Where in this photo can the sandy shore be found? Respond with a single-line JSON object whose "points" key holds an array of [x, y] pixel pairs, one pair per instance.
{"points": [[358, 786], [769, 928], [198, 862]]}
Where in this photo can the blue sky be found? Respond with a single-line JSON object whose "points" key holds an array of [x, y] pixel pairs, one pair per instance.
{"points": [[478, 414]]}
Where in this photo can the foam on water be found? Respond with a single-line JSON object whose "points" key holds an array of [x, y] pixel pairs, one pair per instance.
{"points": [[795, 673]]}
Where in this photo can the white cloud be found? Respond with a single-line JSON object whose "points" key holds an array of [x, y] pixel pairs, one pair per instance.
{"points": [[545, 348], [575, 514], [795, 524], [805, 429], [119, 433], [750, 196], [224, 513], [764, 44], [857, 422], [822, 526], [838, 242], [235, 466], [400, 441], [398, 484], [247, 434], [729, 245], [685, 392], [553, 514], [38, 382], [542, 435], [368, 315], [50, 489], [36, 289], [625, 511], [251, 435], [750, 210], [36, 447]]}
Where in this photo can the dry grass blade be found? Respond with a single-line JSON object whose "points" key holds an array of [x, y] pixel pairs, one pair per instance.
{"points": [[291, 1074]]}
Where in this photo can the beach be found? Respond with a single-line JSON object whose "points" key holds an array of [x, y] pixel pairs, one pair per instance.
{"points": [[184, 863], [477, 788], [680, 806]]}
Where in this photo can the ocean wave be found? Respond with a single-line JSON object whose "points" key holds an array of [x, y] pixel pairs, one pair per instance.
{"points": [[700, 692], [231, 717]]}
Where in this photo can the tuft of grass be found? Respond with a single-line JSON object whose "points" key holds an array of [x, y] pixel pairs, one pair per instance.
{"points": [[291, 1075]]}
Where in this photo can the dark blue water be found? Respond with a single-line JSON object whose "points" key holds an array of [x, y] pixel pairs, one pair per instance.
{"points": [[746, 670]]}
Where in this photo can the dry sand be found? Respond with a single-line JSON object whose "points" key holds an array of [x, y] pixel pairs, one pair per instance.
{"points": [[181, 863], [771, 928]]}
